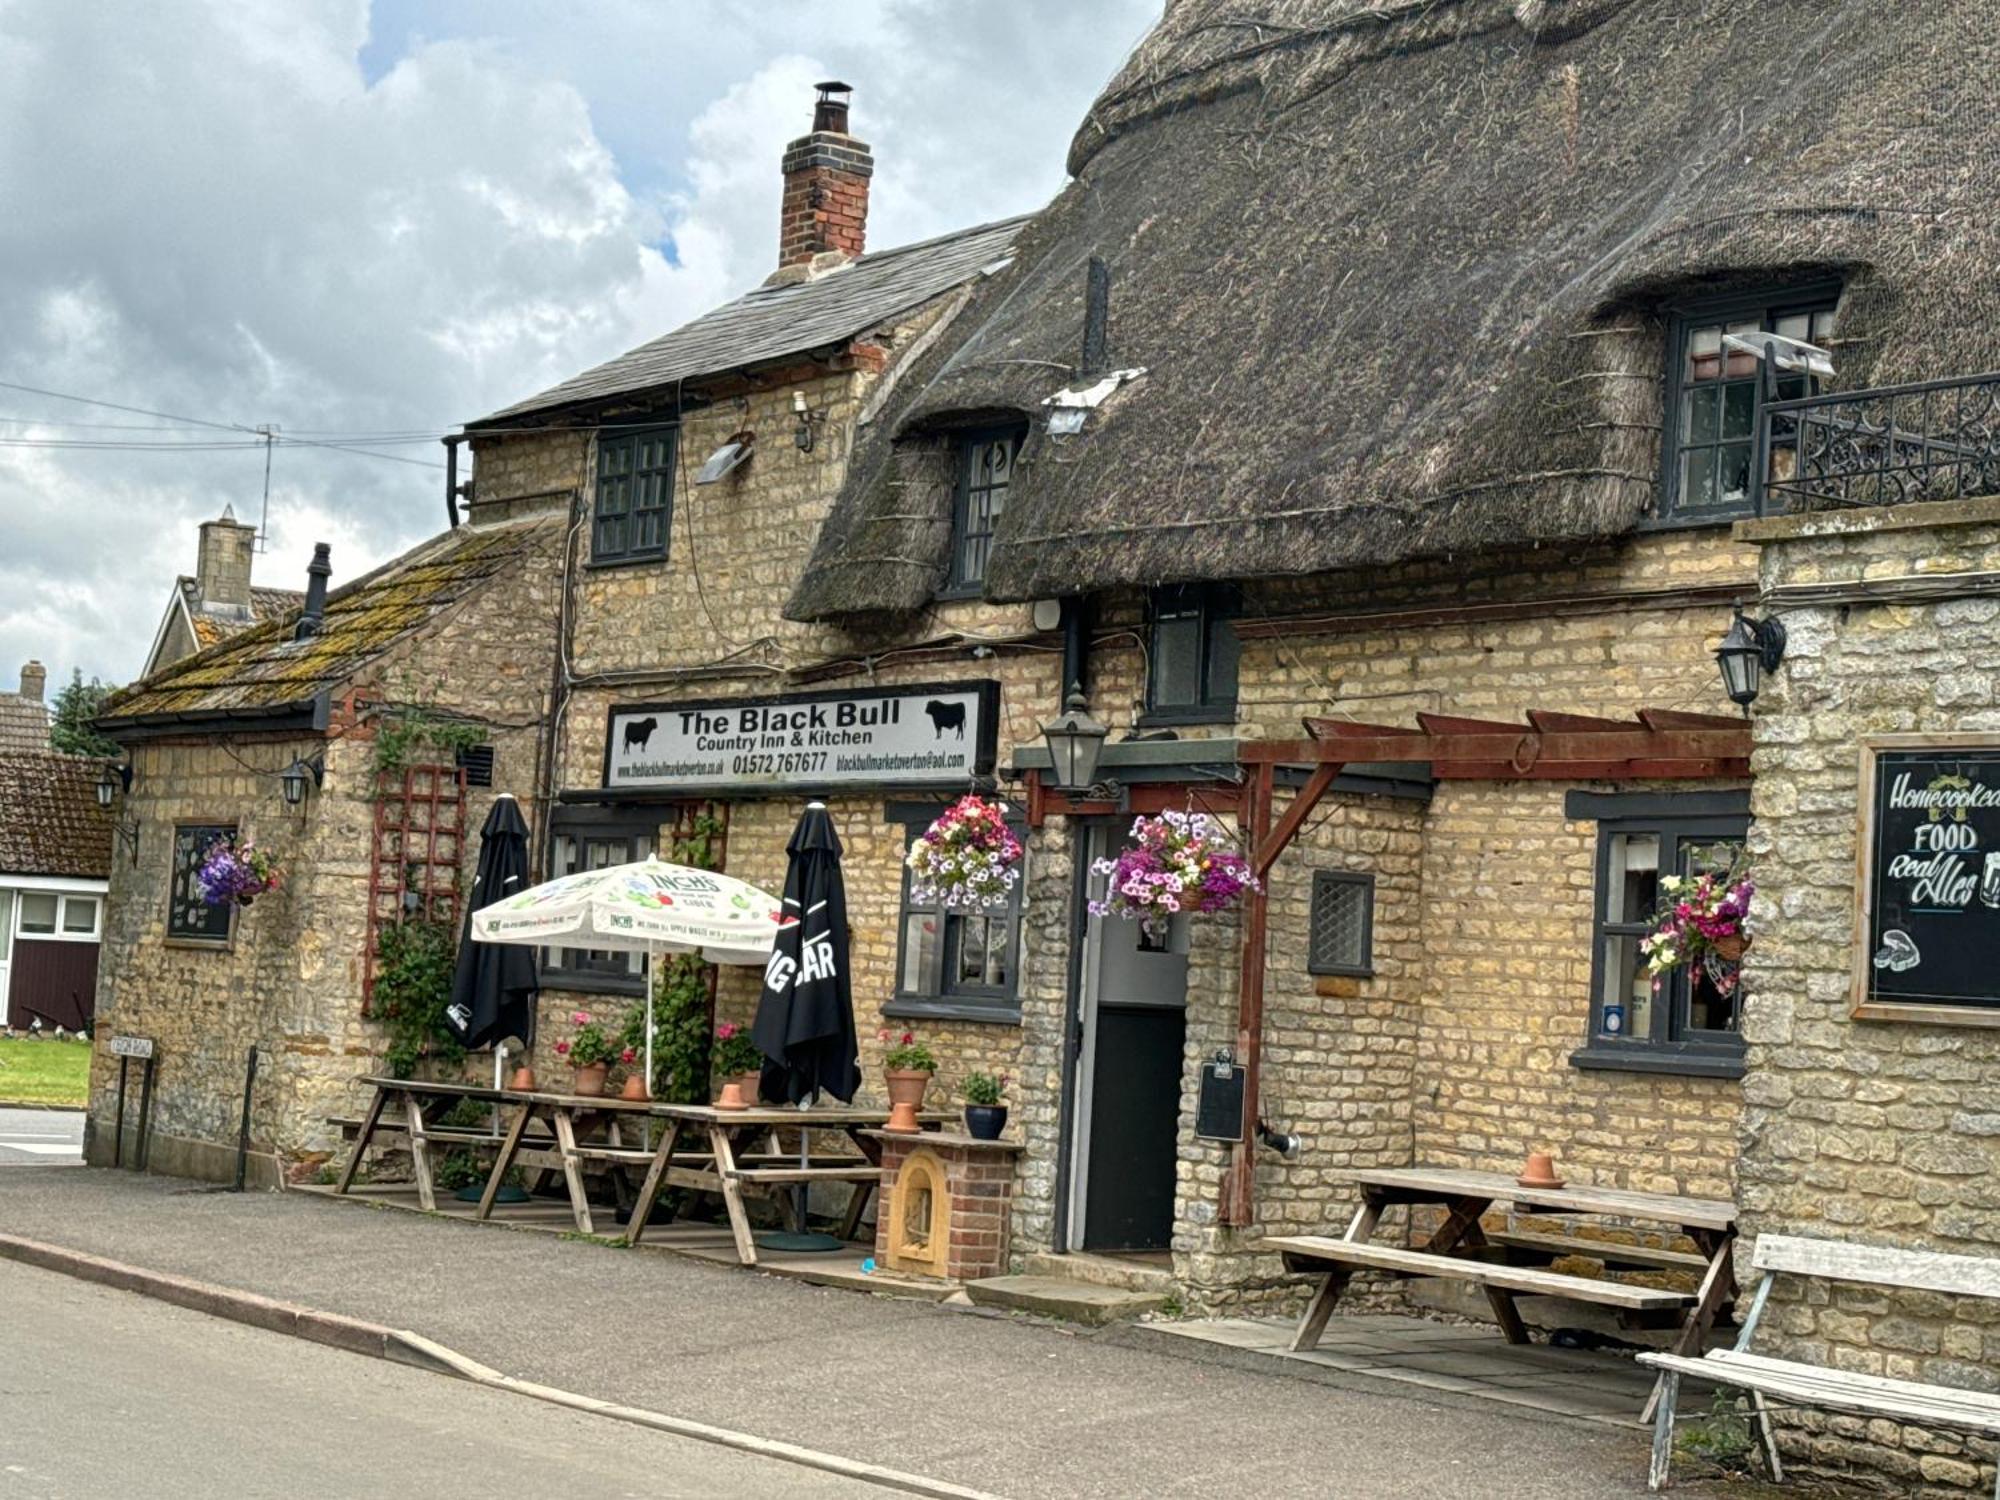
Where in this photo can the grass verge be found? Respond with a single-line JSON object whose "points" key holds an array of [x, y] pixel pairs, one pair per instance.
{"points": [[44, 1072]]}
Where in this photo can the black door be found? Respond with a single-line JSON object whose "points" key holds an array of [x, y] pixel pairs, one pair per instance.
{"points": [[1137, 1020]]}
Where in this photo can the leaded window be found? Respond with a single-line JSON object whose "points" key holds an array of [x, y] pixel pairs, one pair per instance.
{"points": [[1342, 924], [985, 472], [189, 918], [1716, 395], [635, 491]]}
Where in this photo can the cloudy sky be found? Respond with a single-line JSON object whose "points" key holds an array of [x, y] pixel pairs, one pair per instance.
{"points": [[374, 221]]}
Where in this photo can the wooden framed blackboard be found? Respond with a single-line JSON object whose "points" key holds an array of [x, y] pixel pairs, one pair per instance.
{"points": [[1927, 925]]}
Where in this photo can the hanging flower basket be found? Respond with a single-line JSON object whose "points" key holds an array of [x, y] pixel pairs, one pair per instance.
{"points": [[236, 871], [1178, 862], [968, 858], [1699, 926]]}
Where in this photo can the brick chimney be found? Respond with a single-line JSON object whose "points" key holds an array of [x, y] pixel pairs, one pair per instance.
{"points": [[34, 679], [222, 567], [826, 185]]}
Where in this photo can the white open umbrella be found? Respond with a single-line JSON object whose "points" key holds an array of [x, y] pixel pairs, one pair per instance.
{"points": [[650, 907]]}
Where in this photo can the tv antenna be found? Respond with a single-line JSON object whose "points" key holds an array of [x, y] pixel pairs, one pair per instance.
{"points": [[269, 432]]}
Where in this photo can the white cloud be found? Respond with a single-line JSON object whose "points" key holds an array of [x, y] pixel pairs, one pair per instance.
{"points": [[214, 212]]}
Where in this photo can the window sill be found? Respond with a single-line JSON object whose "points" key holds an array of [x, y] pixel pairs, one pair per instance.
{"points": [[1713, 521], [1165, 718], [922, 1008], [961, 593], [1339, 971], [639, 561], [1643, 1059]]}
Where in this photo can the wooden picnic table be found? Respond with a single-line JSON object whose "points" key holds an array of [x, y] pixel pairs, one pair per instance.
{"points": [[700, 1146], [1460, 1249]]}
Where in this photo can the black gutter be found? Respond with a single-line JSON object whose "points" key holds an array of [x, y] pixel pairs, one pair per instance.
{"points": [[304, 715]]}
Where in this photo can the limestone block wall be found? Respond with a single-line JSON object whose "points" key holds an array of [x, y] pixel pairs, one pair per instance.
{"points": [[291, 980], [1880, 1132]]}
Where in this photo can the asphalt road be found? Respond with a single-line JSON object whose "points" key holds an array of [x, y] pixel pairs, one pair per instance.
{"points": [[40, 1135], [106, 1393]]}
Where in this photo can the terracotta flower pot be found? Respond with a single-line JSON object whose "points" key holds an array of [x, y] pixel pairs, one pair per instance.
{"points": [[589, 1082], [635, 1088], [1730, 949], [751, 1084], [732, 1095], [906, 1085], [1540, 1171], [523, 1081]]}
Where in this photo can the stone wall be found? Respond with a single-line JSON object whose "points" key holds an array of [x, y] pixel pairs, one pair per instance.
{"points": [[1878, 1132], [290, 981]]}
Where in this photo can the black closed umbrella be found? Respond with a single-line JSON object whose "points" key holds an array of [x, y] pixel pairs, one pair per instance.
{"points": [[805, 1017], [493, 987]]}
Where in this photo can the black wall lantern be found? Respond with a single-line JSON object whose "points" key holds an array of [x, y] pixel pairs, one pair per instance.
{"points": [[1748, 651], [292, 780], [112, 782], [1076, 742]]}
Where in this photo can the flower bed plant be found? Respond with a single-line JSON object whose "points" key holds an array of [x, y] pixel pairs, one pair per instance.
{"points": [[733, 1053], [236, 870], [908, 1055], [968, 858], [984, 1088], [1177, 862], [1700, 924], [590, 1045]]}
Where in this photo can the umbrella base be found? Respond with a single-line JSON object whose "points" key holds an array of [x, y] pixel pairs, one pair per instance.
{"points": [[508, 1194], [792, 1240]]}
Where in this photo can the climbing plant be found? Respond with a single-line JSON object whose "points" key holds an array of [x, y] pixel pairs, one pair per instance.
{"points": [[413, 969], [406, 730], [683, 987]]}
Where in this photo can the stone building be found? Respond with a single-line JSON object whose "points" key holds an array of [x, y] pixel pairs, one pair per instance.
{"points": [[218, 600], [393, 709], [1374, 366], [696, 472], [55, 852]]}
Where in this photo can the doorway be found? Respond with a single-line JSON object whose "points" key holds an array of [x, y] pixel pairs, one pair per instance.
{"points": [[1131, 1028]]}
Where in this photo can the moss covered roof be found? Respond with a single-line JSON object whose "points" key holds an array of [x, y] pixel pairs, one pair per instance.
{"points": [[265, 667]]}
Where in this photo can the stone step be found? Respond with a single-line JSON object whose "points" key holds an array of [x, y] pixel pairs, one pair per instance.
{"points": [[1102, 1270], [1059, 1297]]}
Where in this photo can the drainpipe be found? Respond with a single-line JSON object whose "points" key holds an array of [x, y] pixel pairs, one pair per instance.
{"points": [[1075, 645], [451, 476]]}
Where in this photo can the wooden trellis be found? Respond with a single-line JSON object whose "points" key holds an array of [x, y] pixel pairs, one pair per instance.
{"points": [[416, 855]]}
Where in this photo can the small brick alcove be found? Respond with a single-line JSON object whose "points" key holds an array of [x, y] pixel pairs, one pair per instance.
{"points": [[944, 1205]]}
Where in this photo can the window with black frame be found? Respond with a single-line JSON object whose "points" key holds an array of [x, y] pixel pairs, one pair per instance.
{"points": [[953, 964], [985, 471], [595, 845], [635, 494], [1715, 397], [189, 918], [1192, 656], [1687, 1021]]}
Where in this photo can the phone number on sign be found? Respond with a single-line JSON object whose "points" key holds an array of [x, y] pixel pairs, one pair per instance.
{"points": [[804, 763]]}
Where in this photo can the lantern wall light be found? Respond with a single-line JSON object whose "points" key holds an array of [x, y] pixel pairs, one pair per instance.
{"points": [[112, 783], [292, 780], [1748, 651], [1076, 744]]}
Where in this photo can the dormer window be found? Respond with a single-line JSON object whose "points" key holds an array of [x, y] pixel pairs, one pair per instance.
{"points": [[635, 495], [1716, 395], [985, 470]]}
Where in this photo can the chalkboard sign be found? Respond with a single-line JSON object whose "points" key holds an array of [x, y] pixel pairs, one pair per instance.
{"points": [[1930, 874], [1218, 1114]]}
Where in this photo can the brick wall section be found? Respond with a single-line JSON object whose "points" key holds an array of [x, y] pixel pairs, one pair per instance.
{"points": [[1879, 1132], [825, 204], [291, 980], [979, 1184]]}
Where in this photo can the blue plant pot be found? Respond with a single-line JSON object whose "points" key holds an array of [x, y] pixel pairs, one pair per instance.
{"points": [[984, 1122]]}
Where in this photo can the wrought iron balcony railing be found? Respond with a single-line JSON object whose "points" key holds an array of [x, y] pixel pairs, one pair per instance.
{"points": [[1939, 440]]}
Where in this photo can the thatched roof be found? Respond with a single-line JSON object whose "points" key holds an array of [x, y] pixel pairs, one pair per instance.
{"points": [[1396, 272]]}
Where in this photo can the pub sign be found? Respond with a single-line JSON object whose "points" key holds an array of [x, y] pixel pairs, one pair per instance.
{"points": [[938, 735], [1929, 921]]}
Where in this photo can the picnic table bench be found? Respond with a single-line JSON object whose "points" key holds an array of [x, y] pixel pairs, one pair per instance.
{"points": [[1802, 1383], [1459, 1249]]}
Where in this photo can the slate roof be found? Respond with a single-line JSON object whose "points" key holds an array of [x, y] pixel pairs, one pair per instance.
{"points": [[774, 321], [24, 723], [263, 668], [50, 823], [265, 604]]}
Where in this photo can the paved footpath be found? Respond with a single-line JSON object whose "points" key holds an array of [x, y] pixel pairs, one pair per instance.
{"points": [[1022, 1409]]}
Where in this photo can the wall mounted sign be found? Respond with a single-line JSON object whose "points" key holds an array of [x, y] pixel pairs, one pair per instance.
{"points": [[131, 1046], [936, 735], [1218, 1112], [1928, 924]]}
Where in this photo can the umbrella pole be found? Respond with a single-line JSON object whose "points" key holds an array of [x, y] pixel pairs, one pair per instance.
{"points": [[499, 1073]]}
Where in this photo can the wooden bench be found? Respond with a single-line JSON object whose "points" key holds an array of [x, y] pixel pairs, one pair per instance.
{"points": [[1612, 1254], [1800, 1383], [1322, 1253]]}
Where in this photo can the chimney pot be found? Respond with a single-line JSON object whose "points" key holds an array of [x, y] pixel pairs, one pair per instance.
{"points": [[34, 680], [314, 613], [825, 208]]}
